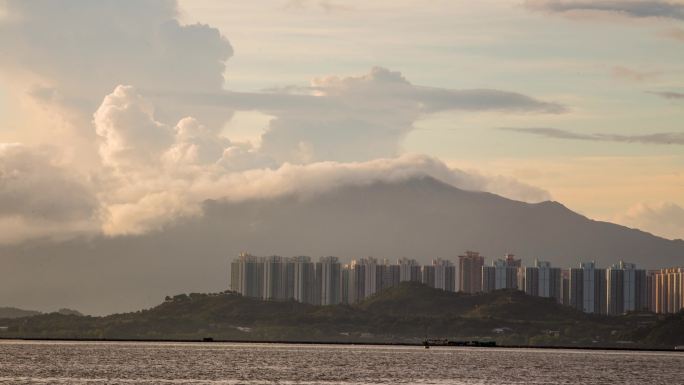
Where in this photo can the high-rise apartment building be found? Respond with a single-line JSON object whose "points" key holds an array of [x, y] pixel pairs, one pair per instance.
{"points": [[444, 274], [668, 288], [328, 274], [428, 275], [503, 274], [387, 276], [247, 274], [542, 280], [274, 278], [409, 270], [470, 272], [576, 288], [357, 282], [345, 274], [626, 288], [304, 279], [593, 288], [370, 275], [529, 280], [565, 287]]}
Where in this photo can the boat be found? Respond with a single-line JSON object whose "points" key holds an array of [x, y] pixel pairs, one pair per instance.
{"points": [[446, 342]]}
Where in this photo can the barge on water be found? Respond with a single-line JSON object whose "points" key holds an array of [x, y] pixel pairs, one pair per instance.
{"points": [[446, 342]]}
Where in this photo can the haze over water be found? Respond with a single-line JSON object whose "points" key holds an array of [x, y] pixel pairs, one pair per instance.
{"points": [[224, 363]]}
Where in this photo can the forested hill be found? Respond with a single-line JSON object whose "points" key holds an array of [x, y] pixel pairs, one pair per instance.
{"points": [[407, 313]]}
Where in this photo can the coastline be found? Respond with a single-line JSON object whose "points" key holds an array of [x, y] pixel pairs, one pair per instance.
{"points": [[307, 342]]}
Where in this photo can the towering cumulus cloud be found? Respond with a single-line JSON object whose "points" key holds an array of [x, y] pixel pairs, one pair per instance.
{"points": [[74, 52], [363, 117], [144, 95]]}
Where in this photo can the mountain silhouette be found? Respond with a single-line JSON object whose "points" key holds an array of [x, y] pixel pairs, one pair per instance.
{"points": [[420, 218]]}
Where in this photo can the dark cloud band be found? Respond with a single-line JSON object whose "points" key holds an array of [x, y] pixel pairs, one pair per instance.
{"points": [[672, 138], [634, 9]]}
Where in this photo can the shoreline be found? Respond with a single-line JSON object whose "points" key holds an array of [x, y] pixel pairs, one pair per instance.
{"points": [[350, 343]]}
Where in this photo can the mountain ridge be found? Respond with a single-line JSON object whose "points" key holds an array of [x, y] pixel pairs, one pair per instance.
{"points": [[407, 313], [420, 218]]}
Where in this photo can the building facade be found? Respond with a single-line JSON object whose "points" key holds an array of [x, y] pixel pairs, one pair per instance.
{"points": [[470, 272], [668, 290], [409, 270]]}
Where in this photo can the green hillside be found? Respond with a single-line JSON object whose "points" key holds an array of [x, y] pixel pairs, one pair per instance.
{"points": [[13, 312], [407, 313]]}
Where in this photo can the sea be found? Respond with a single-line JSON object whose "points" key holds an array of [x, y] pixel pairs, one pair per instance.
{"points": [[47, 362]]}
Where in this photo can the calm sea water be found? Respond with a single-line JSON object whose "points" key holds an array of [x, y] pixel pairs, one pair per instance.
{"points": [[219, 363]]}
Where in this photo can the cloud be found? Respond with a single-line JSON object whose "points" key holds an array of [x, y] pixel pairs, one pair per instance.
{"points": [[665, 219], [325, 5], [148, 99], [629, 8], [674, 33], [160, 174], [77, 51], [131, 137], [624, 73], [358, 117], [668, 94], [673, 138], [80, 50], [40, 198]]}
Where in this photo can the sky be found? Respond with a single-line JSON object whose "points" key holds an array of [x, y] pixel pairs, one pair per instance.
{"points": [[118, 117]]}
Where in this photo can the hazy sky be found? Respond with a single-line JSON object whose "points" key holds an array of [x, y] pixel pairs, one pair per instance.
{"points": [[120, 116]]}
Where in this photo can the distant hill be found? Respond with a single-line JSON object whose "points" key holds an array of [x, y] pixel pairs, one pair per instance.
{"points": [[412, 298], [13, 312], [421, 218], [407, 313], [65, 311]]}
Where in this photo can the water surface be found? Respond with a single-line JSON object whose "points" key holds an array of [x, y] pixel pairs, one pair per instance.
{"points": [[24, 362]]}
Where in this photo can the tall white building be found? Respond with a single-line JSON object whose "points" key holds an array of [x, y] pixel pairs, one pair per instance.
{"points": [[409, 270], [274, 278], [593, 288], [328, 271], [304, 279], [247, 275], [356, 287], [626, 288], [370, 272], [445, 274], [502, 274], [542, 280]]}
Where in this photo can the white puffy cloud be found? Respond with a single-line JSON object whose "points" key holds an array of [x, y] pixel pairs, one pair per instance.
{"points": [[367, 116], [171, 197], [145, 94], [161, 174], [196, 144], [355, 118], [131, 137], [71, 53], [40, 198], [665, 219]]}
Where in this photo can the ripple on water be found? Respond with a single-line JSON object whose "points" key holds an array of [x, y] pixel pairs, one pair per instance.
{"points": [[223, 363]]}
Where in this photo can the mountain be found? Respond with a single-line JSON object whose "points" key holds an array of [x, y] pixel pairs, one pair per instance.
{"points": [[420, 218], [13, 312], [407, 313]]}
